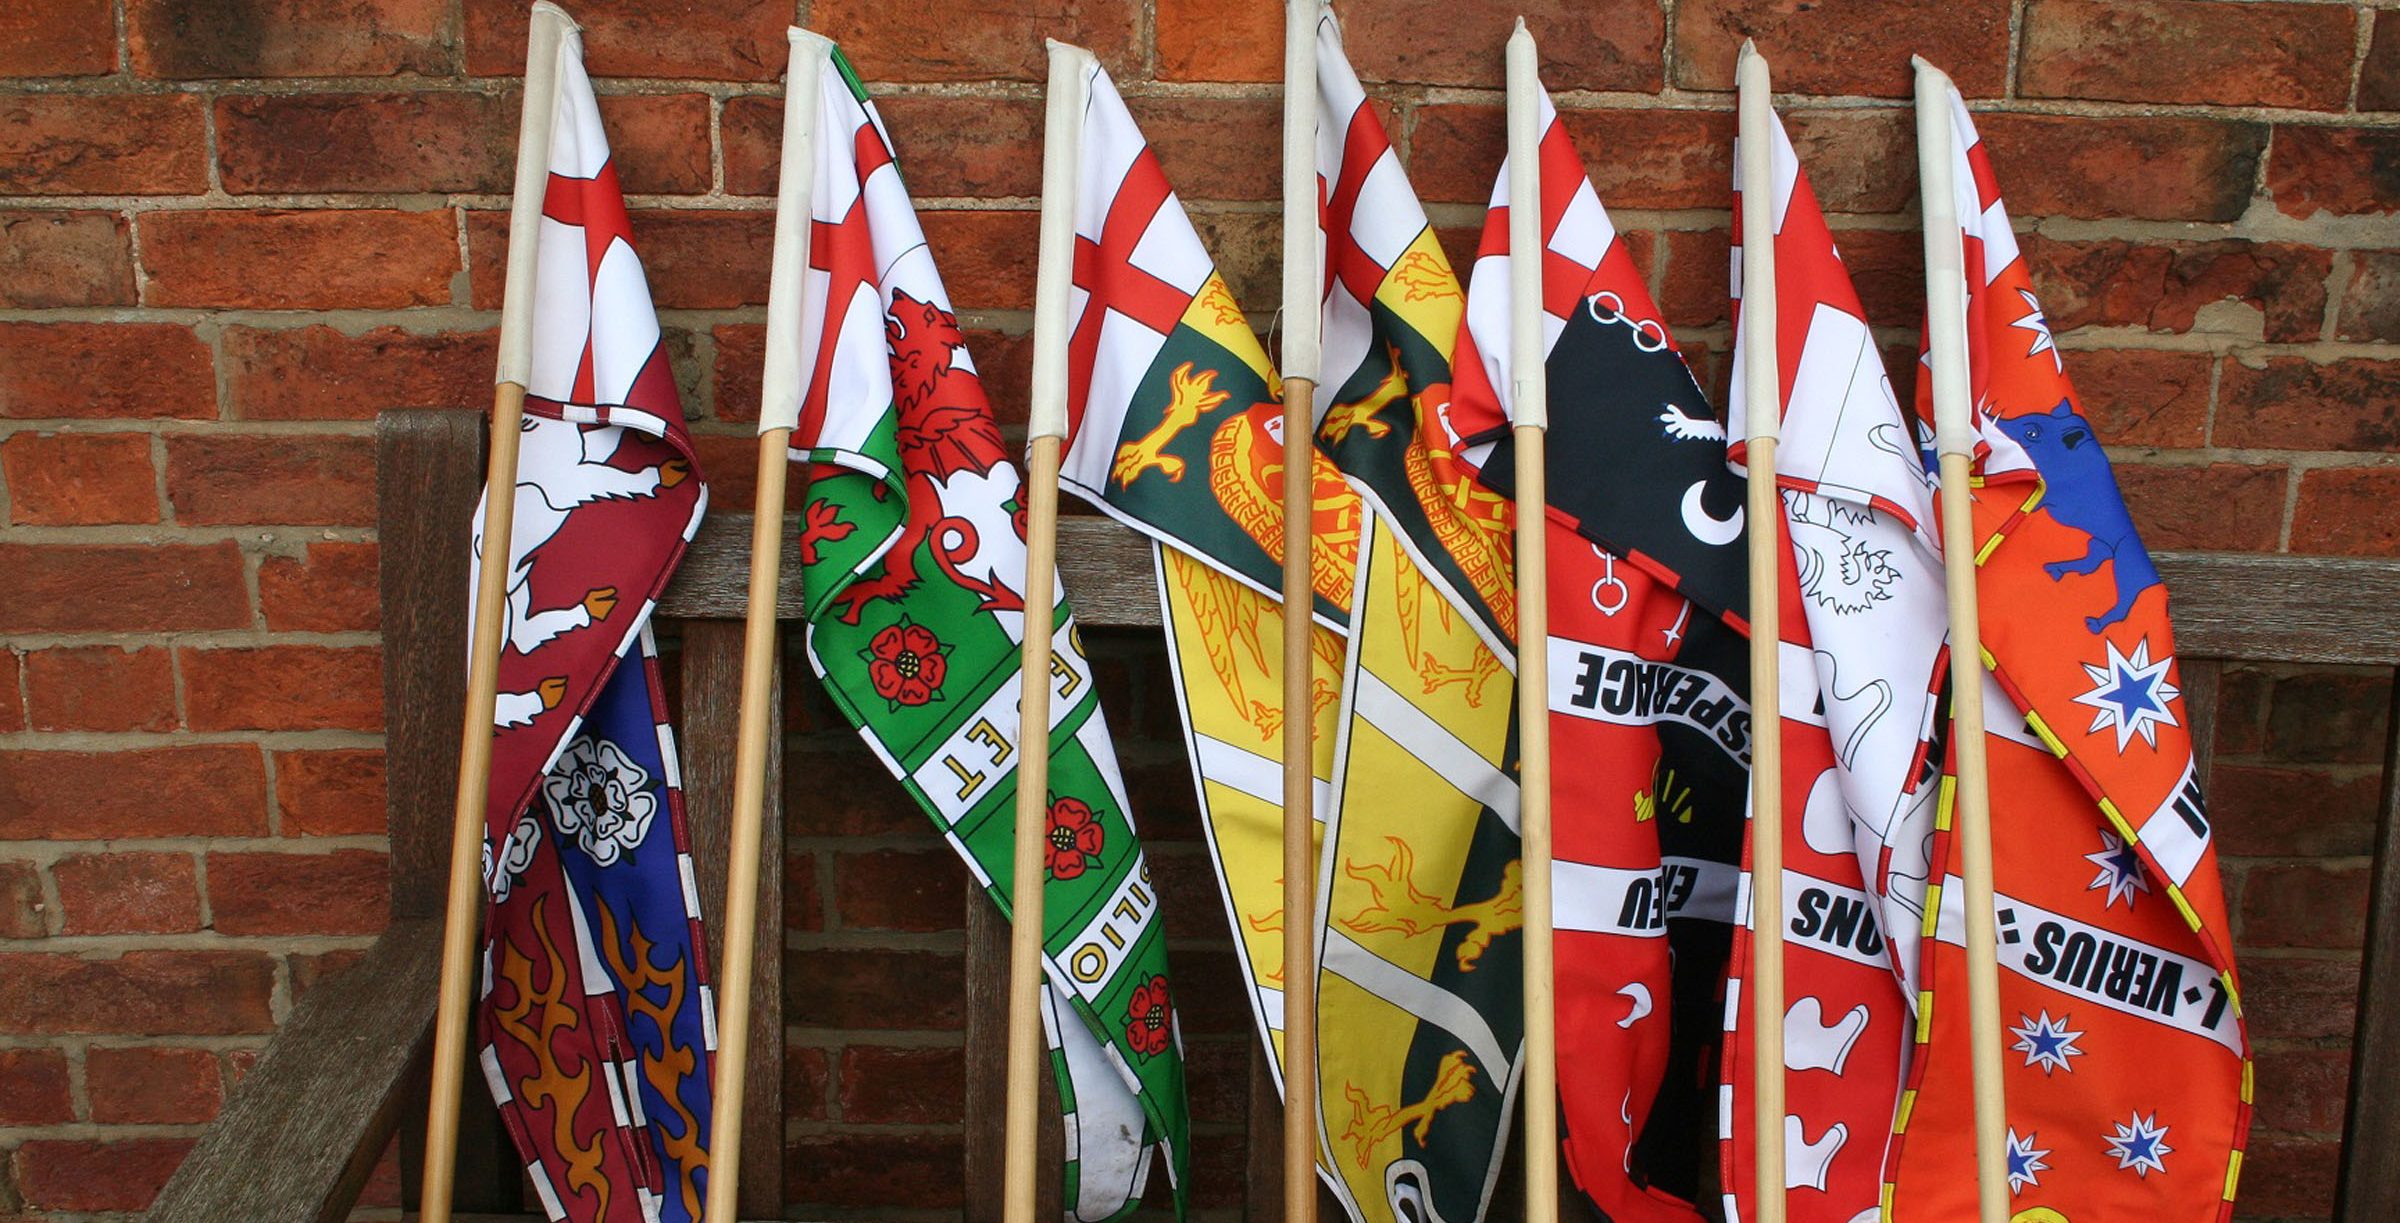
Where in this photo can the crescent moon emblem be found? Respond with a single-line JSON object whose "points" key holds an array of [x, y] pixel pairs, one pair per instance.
{"points": [[1707, 529], [1640, 994]]}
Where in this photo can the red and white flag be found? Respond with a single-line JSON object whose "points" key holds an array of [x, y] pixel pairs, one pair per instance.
{"points": [[598, 1034], [1863, 622], [2126, 1069]]}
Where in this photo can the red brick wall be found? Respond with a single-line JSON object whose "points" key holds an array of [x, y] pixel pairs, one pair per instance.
{"points": [[232, 230]]}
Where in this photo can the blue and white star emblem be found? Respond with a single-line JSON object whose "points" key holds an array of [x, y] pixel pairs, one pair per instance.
{"points": [[2132, 694], [2024, 1161], [2120, 872], [2039, 324], [2046, 1042], [2140, 1147]]}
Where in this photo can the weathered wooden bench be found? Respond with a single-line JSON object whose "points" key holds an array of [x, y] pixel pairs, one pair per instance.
{"points": [[300, 1135]]}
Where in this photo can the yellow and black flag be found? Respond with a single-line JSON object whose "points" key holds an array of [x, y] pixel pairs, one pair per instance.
{"points": [[1420, 894]]}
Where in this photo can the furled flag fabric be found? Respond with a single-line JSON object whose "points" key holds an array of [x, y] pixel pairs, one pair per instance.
{"points": [[1650, 720], [1420, 1006], [2126, 1072], [913, 559], [1176, 429], [596, 1016], [1863, 625]]}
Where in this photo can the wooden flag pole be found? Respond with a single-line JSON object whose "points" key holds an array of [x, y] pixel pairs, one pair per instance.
{"points": [[1762, 390], [1046, 431], [1954, 438], [1303, 297], [1529, 412], [782, 382], [546, 39]]}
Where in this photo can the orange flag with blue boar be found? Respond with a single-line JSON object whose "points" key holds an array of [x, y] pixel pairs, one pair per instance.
{"points": [[2126, 1067]]}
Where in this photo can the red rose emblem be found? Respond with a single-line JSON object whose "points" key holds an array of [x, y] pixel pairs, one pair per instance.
{"points": [[1076, 838], [1149, 1018], [907, 665]]}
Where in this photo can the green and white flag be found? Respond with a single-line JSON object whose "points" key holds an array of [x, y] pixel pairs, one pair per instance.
{"points": [[913, 559]]}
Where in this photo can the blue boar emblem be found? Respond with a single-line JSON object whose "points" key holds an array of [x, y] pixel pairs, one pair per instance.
{"points": [[2081, 494]]}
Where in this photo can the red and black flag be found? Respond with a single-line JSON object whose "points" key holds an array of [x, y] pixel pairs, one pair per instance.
{"points": [[1650, 717]]}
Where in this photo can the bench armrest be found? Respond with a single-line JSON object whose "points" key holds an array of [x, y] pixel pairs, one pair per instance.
{"points": [[304, 1129]]}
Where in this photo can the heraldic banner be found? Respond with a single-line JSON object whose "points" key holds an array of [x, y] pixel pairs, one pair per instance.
{"points": [[1649, 709], [913, 559], [2127, 1073], [1863, 622], [1174, 428], [597, 1023], [1420, 897]]}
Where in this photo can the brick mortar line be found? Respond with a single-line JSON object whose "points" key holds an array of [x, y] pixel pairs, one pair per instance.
{"points": [[1716, 335], [72, 1131], [2228, 346], [285, 541], [221, 639], [91, 741], [2261, 221], [2012, 59], [1391, 91], [166, 511], [114, 946], [716, 147], [2339, 271], [219, 1045], [352, 321], [177, 427], [54, 902], [2363, 35], [50, 853]]}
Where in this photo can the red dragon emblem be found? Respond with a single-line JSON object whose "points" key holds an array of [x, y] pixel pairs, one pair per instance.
{"points": [[945, 429]]}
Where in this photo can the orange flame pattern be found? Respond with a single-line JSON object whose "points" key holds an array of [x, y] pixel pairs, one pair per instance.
{"points": [[532, 1019], [666, 1074]]}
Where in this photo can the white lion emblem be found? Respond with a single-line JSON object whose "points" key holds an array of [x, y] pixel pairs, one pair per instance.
{"points": [[1838, 569]]}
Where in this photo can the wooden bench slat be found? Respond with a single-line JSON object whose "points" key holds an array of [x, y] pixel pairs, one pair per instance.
{"points": [[2327, 610], [709, 728], [429, 474], [1107, 569], [986, 1115], [428, 478], [2261, 608], [304, 1129], [2369, 1181]]}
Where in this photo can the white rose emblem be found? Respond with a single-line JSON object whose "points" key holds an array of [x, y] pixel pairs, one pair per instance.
{"points": [[516, 853], [600, 797]]}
